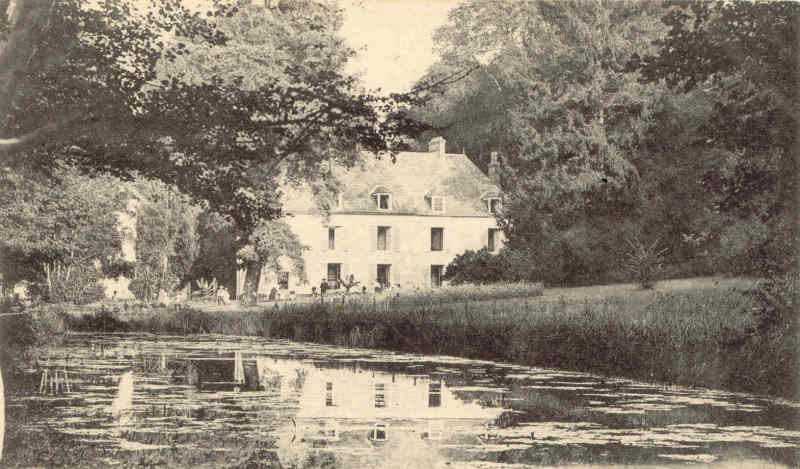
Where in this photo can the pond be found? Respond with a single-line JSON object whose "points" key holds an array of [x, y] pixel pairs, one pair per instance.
{"points": [[222, 401]]}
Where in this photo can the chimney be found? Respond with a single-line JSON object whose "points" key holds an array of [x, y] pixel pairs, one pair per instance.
{"points": [[494, 168], [436, 145]]}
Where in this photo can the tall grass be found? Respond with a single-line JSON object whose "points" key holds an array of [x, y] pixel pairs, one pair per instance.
{"points": [[697, 337]]}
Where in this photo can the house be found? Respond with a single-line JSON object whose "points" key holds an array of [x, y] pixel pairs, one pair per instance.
{"points": [[373, 417], [393, 223]]}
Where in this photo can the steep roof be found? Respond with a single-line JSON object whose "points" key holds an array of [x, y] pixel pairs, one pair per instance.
{"points": [[409, 180]]}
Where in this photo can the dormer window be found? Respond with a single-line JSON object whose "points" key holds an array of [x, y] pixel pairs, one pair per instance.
{"points": [[493, 204], [383, 201], [492, 201], [382, 198], [435, 203]]}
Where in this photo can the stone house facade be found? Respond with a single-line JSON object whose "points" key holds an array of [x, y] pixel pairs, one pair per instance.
{"points": [[393, 223]]}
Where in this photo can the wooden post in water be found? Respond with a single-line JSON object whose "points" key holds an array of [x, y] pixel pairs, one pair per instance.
{"points": [[238, 368]]}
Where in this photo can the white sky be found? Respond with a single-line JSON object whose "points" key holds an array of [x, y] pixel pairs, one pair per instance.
{"points": [[398, 39]]}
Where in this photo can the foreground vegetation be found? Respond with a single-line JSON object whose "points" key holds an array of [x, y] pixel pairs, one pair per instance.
{"points": [[705, 337]]}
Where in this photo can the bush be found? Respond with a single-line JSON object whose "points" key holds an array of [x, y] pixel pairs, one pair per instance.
{"points": [[645, 262], [483, 268], [103, 320], [477, 267]]}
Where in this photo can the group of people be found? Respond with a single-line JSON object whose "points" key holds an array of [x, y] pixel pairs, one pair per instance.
{"points": [[377, 286], [223, 297]]}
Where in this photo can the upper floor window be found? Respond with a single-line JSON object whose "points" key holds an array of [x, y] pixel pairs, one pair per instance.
{"points": [[437, 239], [383, 241], [332, 238]]}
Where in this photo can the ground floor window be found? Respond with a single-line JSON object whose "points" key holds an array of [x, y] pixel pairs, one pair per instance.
{"points": [[436, 275], [492, 244], [283, 280], [379, 432], [384, 275], [329, 394], [334, 274], [435, 394], [380, 395]]}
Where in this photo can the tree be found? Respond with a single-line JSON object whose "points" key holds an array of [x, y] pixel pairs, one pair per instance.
{"points": [[745, 59], [549, 88], [58, 232], [166, 239], [218, 243], [272, 244], [122, 110]]}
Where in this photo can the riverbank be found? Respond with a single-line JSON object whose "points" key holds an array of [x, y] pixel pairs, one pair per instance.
{"points": [[701, 334]]}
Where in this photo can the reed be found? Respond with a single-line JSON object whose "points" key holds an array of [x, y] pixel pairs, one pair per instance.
{"points": [[697, 337]]}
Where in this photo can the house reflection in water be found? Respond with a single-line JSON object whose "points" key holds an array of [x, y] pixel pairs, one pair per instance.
{"points": [[367, 418]]}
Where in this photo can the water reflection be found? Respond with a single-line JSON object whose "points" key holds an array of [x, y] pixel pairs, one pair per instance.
{"points": [[223, 401]]}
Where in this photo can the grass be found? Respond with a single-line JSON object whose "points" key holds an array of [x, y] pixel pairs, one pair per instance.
{"points": [[696, 333]]}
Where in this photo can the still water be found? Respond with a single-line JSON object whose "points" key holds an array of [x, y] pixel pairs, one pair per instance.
{"points": [[222, 401]]}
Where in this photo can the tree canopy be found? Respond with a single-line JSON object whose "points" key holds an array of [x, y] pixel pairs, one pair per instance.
{"points": [[669, 121], [211, 103]]}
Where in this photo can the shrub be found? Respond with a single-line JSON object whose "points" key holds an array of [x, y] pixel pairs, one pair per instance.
{"points": [[482, 267], [478, 267], [645, 262]]}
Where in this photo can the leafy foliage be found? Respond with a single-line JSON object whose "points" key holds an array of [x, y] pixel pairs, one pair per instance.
{"points": [[477, 267], [595, 147], [131, 105], [271, 246], [743, 58], [59, 232], [645, 261], [166, 239]]}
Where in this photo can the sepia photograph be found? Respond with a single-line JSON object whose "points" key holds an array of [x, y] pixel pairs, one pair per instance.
{"points": [[346, 234]]}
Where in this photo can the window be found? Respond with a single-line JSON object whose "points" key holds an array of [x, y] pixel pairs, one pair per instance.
{"points": [[380, 395], [435, 394], [283, 280], [435, 203], [328, 394], [339, 201], [379, 432], [437, 239], [436, 276], [491, 244], [493, 204], [383, 238], [383, 201], [334, 274], [383, 275], [331, 238]]}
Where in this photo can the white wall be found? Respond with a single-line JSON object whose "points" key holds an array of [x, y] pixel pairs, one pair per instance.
{"points": [[409, 252]]}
